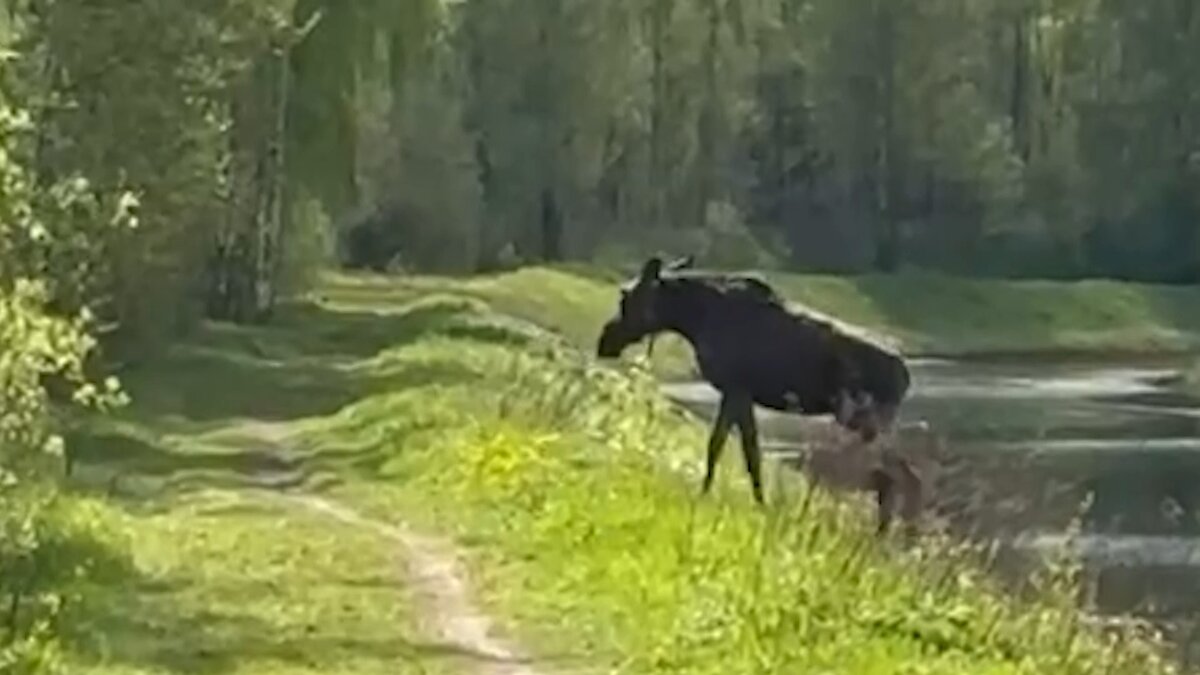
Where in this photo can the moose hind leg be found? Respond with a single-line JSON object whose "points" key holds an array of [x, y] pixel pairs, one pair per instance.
{"points": [[743, 417], [913, 491], [716, 442], [885, 498], [897, 488]]}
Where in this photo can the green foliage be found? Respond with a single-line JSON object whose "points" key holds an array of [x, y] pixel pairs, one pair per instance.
{"points": [[356, 49], [957, 134], [309, 246], [51, 548], [139, 116], [54, 233], [49, 237], [34, 346], [43, 257], [428, 190], [195, 125]]}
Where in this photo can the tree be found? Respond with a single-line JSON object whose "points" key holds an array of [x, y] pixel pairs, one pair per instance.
{"points": [[355, 47]]}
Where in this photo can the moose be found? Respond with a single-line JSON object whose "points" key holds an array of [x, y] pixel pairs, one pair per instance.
{"points": [[755, 351]]}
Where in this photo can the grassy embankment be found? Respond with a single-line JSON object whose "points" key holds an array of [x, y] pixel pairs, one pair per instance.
{"points": [[454, 404], [922, 314]]}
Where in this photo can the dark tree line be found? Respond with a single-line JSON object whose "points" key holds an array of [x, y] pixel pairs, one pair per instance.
{"points": [[1041, 137]]}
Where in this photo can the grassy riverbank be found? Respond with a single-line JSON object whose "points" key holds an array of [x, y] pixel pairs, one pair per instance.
{"points": [[933, 314], [919, 313], [466, 407]]}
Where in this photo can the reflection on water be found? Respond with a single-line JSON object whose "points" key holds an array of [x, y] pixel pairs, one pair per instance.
{"points": [[1031, 441]]}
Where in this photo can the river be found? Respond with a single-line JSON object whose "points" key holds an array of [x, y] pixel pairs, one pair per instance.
{"points": [[1030, 440]]}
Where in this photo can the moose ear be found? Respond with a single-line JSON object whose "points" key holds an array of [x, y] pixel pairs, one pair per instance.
{"points": [[682, 264], [652, 270]]}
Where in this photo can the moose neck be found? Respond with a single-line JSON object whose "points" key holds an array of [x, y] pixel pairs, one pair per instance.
{"points": [[685, 308]]}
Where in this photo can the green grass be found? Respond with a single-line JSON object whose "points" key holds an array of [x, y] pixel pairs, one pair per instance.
{"points": [[467, 406], [219, 574], [224, 582], [1192, 377], [933, 314], [923, 314], [574, 488]]}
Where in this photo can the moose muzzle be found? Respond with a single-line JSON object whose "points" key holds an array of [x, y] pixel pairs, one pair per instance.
{"points": [[614, 338]]}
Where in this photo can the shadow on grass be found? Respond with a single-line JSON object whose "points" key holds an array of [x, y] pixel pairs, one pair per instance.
{"points": [[122, 449], [1175, 306], [952, 315], [186, 620], [956, 315], [235, 454], [302, 365], [148, 626]]}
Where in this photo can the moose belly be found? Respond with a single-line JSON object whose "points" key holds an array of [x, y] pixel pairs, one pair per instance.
{"points": [[773, 388], [792, 401], [777, 374]]}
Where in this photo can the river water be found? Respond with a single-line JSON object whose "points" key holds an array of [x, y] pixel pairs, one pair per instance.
{"points": [[1029, 442]]}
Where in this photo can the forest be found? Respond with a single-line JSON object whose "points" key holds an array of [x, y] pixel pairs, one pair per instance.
{"points": [[169, 163], [1052, 138]]}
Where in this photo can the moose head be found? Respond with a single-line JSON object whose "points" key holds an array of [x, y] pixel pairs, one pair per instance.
{"points": [[639, 313]]}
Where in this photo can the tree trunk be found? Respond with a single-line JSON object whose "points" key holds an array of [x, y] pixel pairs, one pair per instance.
{"points": [[660, 18], [887, 245], [1018, 113], [551, 222], [246, 260], [489, 246], [707, 131], [271, 233]]}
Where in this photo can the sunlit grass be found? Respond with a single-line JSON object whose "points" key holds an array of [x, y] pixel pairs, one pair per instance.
{"points": [[930, 313], [575, 489], [225, 582], [919, 313]]}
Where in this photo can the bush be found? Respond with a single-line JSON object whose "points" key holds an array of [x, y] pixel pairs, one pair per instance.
{"points": [[50, 547], [45, 236], [310, 246], [43, 548]]}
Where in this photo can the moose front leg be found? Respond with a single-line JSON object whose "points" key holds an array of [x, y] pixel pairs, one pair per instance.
{"points": [[716, 440], [897, 487], [743, 418]]}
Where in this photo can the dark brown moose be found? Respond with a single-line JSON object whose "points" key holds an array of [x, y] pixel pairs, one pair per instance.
{"points": [[753, 350]]}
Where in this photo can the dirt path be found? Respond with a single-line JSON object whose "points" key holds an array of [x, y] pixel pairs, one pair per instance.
{"points": [[434, 571], [437, 576]]}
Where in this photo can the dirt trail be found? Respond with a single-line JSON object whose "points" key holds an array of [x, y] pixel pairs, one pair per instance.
{"points": [[437, 576], [434, 570]]}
